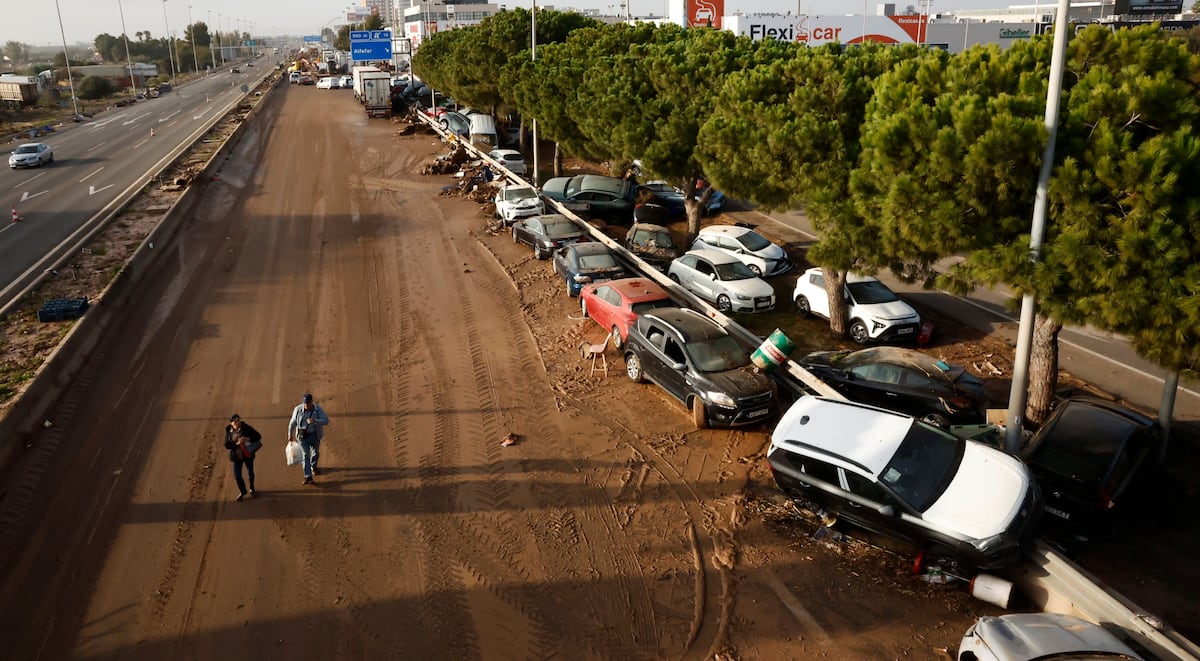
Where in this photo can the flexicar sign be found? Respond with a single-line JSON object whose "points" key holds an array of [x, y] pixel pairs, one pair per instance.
{"points": [[820, 30]]}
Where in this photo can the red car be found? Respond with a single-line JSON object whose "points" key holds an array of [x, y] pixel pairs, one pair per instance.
{"points": [[617, 303]]}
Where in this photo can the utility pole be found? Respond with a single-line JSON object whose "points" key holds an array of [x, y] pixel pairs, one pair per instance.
{"points": [[67, 59], [170, 40], [208, 26], [128, 58], [192, 32]]}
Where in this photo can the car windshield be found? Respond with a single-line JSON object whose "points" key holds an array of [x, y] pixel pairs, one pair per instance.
{"points": [[718, 354], [27, 149], [646, 306], [923, 466], [734, 271], [753, 241], [652, 239], [871, 291], [597, 262], [1081, 445], [518, 194], [560, 228]]}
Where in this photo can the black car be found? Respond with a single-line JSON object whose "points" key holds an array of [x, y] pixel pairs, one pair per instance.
{"points": [[1090, 457], [651, 243], [903, 380], [546, 233], [692, 358], [581, 263]]}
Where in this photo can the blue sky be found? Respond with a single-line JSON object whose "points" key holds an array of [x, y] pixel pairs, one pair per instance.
{"points": [[82, 20]]}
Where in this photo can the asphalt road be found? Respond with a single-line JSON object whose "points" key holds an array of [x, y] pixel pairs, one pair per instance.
{"points": [[1100, 358], [97, 162]]}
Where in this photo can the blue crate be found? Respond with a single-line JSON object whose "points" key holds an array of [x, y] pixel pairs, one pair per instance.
{"points": [[62, 309]]}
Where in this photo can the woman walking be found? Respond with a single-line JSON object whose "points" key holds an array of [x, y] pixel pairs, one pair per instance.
{"points": [[242, 441]]}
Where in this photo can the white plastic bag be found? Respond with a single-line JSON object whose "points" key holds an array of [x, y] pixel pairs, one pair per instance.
{"points": [[293, 452]]}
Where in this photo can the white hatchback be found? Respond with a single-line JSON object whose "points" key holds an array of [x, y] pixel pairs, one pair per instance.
{"points": [[516, 202], [719, 278], [511, 159], [747, 246], [876, 313]]}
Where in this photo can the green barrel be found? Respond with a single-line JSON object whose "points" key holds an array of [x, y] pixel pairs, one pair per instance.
{"points": [[773, 352]]}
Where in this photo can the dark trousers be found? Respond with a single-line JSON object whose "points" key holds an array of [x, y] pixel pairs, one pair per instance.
{"points": [[237, 473]]}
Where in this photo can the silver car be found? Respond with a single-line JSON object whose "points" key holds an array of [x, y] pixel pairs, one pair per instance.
{"points": [[33, 154], [721, 279], [1040, 636]]}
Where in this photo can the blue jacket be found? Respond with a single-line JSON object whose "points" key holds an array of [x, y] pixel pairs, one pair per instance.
{"points": [[319, 419]]}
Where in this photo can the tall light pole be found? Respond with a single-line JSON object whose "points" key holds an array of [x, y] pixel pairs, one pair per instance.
{"points": [[128, 58], [220, 44], [67, 59], [533, 57], [208, 28], [192, 31], [170, 40]]}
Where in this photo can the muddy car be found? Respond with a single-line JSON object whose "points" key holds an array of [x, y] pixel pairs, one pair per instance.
{"points": [[652, 244]]}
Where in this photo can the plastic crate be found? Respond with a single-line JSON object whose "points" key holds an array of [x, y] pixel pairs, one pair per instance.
{"points": [[62, 309]]}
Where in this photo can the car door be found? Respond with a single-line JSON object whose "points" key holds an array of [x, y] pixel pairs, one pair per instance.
{"points": [[607, 300], [866, 507], [876, 383], [818, 300], [704, 280], [562, 262], [675, 381], [530, 229]]}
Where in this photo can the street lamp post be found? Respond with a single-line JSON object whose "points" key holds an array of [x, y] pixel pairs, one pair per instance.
{"points": [[128, 57], [220, 44], [192, 32], [533, 57], [208, 28], [67, 59], [170, 40]]}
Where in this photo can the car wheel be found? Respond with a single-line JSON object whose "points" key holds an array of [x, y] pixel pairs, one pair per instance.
{"points": [[616, 337], [858, 332], [633, 367], [937, 420], [445, 124], [755, 270], [51, 159], [514, 235], [699, 415], [723, 303], [674, 278], [583, 308], [803, 309], [537, 252]]}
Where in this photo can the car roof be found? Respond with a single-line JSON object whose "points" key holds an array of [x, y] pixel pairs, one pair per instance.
{"points": [[691, 325], [637, 290], [714, 256], [507, 152], [596, 182], [1088, 427], [929, 365], [855, 436], [732, 230], [589, 248], [647, 226], [850, 277]]}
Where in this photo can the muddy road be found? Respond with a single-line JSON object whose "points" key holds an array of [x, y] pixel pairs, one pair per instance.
{"points": [[322, 261]]}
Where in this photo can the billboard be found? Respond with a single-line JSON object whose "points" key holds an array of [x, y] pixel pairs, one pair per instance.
{"points": [[1142, 7], [704, 13], [312, 38], [821, 30]]}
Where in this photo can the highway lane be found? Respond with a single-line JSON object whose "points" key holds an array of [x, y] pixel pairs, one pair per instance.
{"points": [[97, 162]]}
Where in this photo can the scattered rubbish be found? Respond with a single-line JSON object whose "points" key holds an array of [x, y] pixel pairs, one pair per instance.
{"points": [[510, 439]]}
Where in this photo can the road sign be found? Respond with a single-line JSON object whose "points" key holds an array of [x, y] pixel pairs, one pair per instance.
{"points": [[312, 38], [370, 45]]}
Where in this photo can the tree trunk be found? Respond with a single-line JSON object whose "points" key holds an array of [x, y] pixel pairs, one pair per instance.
{"points": [[1043, 369], [523, 143], [694, 208], [839, 311], [558, 160]]}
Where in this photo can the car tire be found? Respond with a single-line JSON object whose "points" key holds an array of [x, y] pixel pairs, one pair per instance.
{"points": [[755, 270], [583, 308], [937, 420], [514, 233], [699, 415], [803, 309], [674, 278], [858, 332], [616, 338], [537, 252], [51, 159], [633, 367], [724, 304]]}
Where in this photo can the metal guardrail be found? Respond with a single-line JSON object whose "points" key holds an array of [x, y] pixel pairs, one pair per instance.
{"points": [[1050, 580]]}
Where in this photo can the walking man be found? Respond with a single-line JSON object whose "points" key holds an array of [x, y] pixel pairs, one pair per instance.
{"points": [[242, 441], [307, 426]]}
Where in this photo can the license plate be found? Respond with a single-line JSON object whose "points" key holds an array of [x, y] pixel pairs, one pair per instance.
{"points": [[758, 414], [763, 304], [904, 331], [1066, 516]]}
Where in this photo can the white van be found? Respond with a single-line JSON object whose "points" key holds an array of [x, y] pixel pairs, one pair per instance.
{"points": [[483, 131]]}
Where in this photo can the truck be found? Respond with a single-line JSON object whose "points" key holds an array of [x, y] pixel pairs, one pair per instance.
{"points": [[17, 91], [358, 72], [377, 93]]}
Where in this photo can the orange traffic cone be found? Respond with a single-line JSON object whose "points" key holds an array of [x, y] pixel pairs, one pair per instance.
{"points": [[16, 218]]}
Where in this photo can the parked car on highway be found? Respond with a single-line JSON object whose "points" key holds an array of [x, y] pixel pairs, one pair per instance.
{"points": [[509, 158], [235, 70], [581, 263], [294, 78], [455, 123], [306, 79], [31, 154], [673, 197], [346, 82], [697, 362], [616, 304], [749, 247], [546, 233], [514, 201], [722, 280], [903, 380], [963, 502], [1092, 458], [607, 197], [652, 244], [1042, 636], [325, 83], [876, 313]]}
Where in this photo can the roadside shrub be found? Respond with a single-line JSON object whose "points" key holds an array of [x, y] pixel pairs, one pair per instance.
{"points": [[94, 87]]}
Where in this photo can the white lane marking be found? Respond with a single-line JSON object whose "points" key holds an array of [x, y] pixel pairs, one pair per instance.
{"points": [[135, 119], [91, 175], [27, 196], [141, 143], [789, 600], [105, 122], [163, 119], [96, 147], [202, 112], [92, 190], [23, 183]]}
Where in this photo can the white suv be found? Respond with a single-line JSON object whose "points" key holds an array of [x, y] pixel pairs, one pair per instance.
{"points": [[749, 247], [876, 313], [963, 501]]}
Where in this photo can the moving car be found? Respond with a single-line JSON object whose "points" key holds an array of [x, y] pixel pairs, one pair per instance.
{"points": [[31, 154], [514, 202], [747, 246], [903, 380], [698, 363], [546, 233], [652, 244], [1043, 636], [509, 158], [1090, 456], [581, 263], [876, 313], [720, 279], [964, 502], [235, 70], [616, 304], [607, 197]]}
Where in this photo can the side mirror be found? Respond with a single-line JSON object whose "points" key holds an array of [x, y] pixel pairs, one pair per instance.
{"points": [[887, 510], [848, 375], [679, 367], [712, 276]]}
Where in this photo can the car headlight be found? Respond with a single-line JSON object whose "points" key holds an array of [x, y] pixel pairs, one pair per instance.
{"points": [[583, 278], [720, 398], [996, 544], [743, 297], [546, 243]]}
